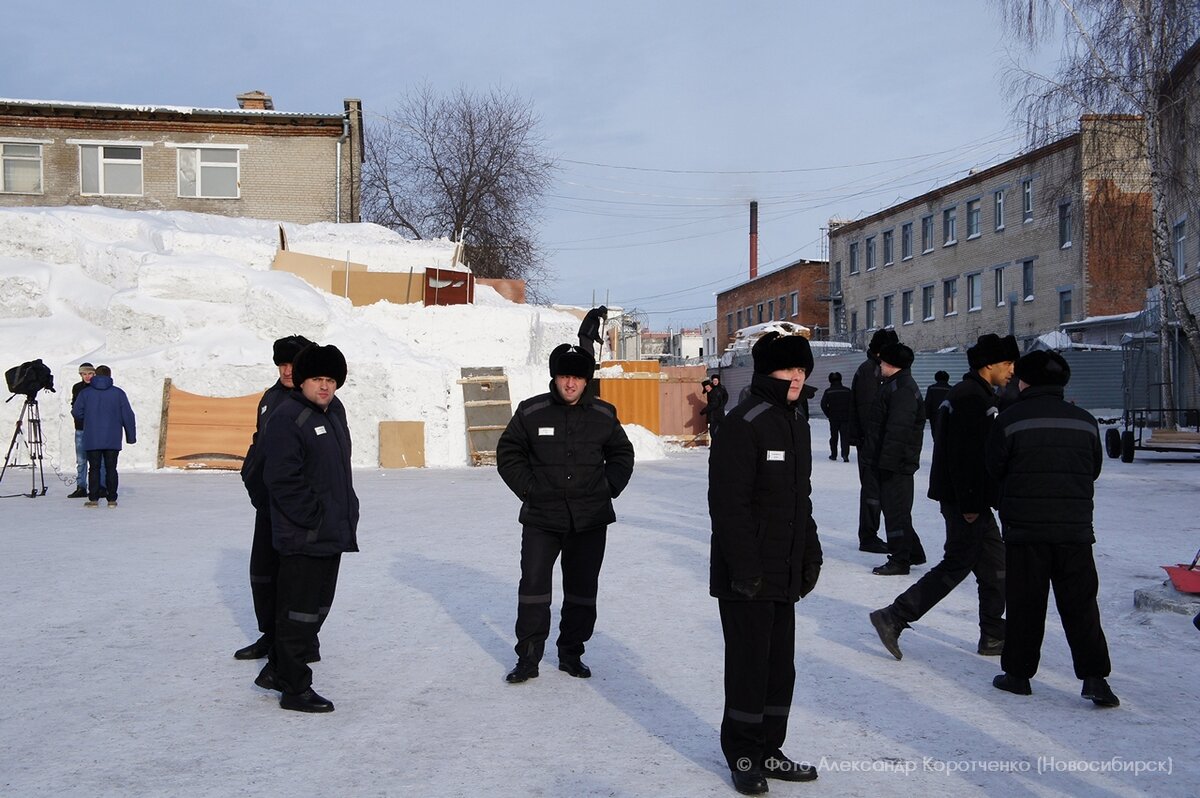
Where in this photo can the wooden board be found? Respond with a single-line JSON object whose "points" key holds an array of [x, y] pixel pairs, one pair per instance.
{"points": [[402, 444], [488, 409], [205, 431]]}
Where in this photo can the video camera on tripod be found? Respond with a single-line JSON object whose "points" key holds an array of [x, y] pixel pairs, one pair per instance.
{"points": [[27, 379]]}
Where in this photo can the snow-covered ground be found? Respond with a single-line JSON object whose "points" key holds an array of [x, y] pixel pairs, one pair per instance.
{"points": [[117, 629]]}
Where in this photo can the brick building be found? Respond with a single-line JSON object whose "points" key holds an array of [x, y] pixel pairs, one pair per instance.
{"points": [[1052, 236], [251, 161], [792, 293]]}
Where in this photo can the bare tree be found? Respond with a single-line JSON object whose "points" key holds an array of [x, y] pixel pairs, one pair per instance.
{"points": [[1117, 58], [469, 167]]}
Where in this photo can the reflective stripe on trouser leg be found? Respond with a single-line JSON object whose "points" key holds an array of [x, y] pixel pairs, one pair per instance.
{"points": [[302, 581], [264, 565], [539, 551], [582, 556]]}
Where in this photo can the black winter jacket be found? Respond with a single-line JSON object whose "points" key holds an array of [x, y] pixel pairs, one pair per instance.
{"points": [[759, 486], [718, 397], [1046, 454], [958, 474], [835, 402], [306, 470], [895, 429], [863, 387], [566, 463], [934, 396]]}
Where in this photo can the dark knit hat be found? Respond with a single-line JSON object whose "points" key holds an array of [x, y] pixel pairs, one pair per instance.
{"points": [[286, 349], [882, 338], [991, 348], [773, 352], [1043, 367], [835, 376], [941, 376], [571, 361], [896, 354], [319, 361]]}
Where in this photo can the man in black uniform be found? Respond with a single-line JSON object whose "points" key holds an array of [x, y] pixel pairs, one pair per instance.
{"points": [[863, 387], [935, 393], [314, 518], [717, 398], [835, 404], [264, 561], [1046, 454], [566, 457], [891, 446], [765, 557], [958, 479], [589, 330]]}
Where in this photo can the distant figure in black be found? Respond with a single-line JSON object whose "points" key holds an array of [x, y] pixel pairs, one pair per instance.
{"points": [[863, 387], [717, 398], [835, 404], [589, 330], [934, 396]]}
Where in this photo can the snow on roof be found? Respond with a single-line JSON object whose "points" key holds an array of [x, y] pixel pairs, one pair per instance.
{"points": [[160, 109]]}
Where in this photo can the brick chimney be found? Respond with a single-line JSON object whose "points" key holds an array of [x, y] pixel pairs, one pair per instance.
{"points": [[255, 101], [753, 239]]}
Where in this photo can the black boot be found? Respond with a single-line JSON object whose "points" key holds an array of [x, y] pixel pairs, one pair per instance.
{"points": [[778, 766], [256, 650], [575, 667], [1012, 684], [266, 678], [889, 629], [308, 701], [79, 493], [749, 782], [990, 646], [892, 567], [524, 671], [1097, 689], [874, 546]]}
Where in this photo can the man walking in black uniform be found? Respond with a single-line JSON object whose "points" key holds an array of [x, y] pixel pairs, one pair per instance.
{"points": [[863, 387], [891, 446], [765, 556], [589, 330], [264, 560], [835, 404], [958, 479], [934, 395], [717, 398], [566, 457], [1046, 454], [314, 518]]}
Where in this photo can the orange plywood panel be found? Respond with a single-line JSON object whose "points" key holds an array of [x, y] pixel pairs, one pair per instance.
{"points": [[636, 400], [205, 431]]}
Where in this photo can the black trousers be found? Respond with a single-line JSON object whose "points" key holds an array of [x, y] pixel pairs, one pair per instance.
{"points": [[264, 566], [896, 500], [760, 674], [582, 555], [305, 588], [1069, 567], [971, 548], [836, 430], [107, 457], [868, 501]]}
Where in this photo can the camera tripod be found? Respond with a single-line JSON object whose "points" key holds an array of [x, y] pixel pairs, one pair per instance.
{"points": [[33, 442]]}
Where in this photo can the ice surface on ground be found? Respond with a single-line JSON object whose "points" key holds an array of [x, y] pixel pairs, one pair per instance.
{"points": [[117, 629]]}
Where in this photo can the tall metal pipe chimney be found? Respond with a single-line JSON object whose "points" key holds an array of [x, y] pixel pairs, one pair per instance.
{"points": [[753, 239]]}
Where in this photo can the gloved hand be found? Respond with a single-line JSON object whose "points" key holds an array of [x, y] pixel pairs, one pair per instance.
{"points": [[809, 576], [747, 587]]}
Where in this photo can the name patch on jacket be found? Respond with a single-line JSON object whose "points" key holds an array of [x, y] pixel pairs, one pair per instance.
{"points": [[543, 431], [774, 456], [319, 430]]}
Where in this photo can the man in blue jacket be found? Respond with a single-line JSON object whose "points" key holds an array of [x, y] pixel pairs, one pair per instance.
{"points": [[314, 518], [104, 411], [566, 457]]}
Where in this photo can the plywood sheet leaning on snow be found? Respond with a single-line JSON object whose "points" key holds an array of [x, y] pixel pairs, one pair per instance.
{"points": [[205, 431], [326, 274], [402, 444]]}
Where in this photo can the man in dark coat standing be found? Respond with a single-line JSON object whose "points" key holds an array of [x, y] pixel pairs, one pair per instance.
{"points": [[86, 372], [314, 518], [1046, 454], [935, 393], [835, 404], [566, 457], [765, 556], [589, 330], [863, 387], [717, 398], [892, 442], [958, 479], [264, 560], [104, 411]]}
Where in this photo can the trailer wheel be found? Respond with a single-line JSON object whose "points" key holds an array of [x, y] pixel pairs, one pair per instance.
{"points": [[1127, 446], [1112, 442]]}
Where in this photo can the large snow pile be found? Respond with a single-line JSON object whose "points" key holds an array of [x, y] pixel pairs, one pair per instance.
{"points": [[192, 297]]}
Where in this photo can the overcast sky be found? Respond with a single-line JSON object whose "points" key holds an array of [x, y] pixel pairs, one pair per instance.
{"points": [[667, 118]]}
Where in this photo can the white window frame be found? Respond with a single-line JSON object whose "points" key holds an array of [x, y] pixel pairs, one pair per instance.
{"points": [[853, 257], [973, 219], [906, 306], [1027, 199], [1179, 236], [142, 146], [1027, 285], [998, 210], [950, 226], [179, 147], [869, 253], [906, 241], [870, 314], [974, 291], [889, 310], [41, 162], [950, 296], [927, 234], [795, 296], [928, 302], [998, 285], [889, 247]]}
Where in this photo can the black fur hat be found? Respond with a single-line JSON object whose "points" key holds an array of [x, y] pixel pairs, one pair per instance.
{"points": [[571, 361], [319, 361], [1043, 367], [286, 349], [773, 352], [991, 348], [897, 354], [882, 338]]}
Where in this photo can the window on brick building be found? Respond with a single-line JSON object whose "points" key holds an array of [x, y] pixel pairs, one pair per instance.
{"points": [[888, 249], [110, 170], [1064, 225], [906, 241], [998, 209], [906, 307], [889, 311], [1027, 199], [972, 218], [795, 296], [927, 234], [20, 168], [870, 314], [1064, 305], [950, 226], [209, 172], [854, 258], [1179, 237], [950, 296], [998, 279], [870, 253], [1027, 280], [927, 302]]}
